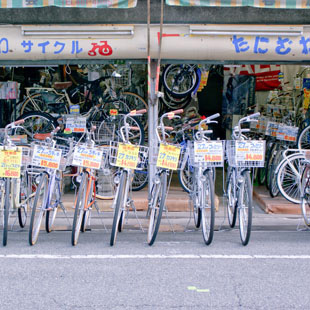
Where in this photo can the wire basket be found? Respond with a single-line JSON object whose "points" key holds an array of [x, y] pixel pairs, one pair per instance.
{"points": [[211, 154], [124, 80], [104, 132], [132, 160], [169, 158], [246, 153]]}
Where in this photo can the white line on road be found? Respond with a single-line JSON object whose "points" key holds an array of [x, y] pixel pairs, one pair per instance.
{"points": [[152, 256]]}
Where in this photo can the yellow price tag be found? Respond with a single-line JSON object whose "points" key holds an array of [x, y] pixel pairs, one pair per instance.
{"points": [[10, 162], [168, 156], [127, 156], [113, 112]]}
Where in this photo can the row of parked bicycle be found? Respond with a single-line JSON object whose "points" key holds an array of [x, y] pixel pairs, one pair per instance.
{"points": [[32, 175]]}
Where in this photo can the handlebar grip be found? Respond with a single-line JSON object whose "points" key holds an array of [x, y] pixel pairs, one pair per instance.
{"points": [[93, 128], [213, 116], [56, 129], [178, 111], [254, 115], [134, 128], [245, 130], [21, 121], [142, 111], [168, 128]]}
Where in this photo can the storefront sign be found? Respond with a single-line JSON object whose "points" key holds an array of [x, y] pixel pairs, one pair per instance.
{"points": [[46, 157], [127, 156], [168, 156], [10, 162]]}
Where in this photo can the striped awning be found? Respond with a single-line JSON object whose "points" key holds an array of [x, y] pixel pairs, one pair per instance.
{"points": [[121, 4], [275, 4]]}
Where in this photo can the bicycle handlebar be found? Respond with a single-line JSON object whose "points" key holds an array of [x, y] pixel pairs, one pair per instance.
{"points": [[19, 122]]}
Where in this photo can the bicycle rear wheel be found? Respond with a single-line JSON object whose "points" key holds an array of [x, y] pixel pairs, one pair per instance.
{"points": [[79, 209], [245, 208], [120, 202], [158, 194], [289, 177], [38, 209], [208, 208]]}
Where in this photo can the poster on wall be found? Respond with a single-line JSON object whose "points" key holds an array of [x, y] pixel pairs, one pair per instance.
{"points": [[267, 76], [238, 97]]}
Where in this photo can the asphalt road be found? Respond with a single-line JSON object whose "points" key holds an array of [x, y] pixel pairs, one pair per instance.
{"points": [[178, 272]]}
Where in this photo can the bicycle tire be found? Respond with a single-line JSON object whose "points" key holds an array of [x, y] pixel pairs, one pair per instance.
{"points": [[159, 191], [79, 210], [303, 140], [208, 209], [173, 75], [287, 179], [121, 222], [195, 201], [36, 122], [185, 177], [6, 211], [119, 206], [175, 103], [245, 208], [23, 208], [36, 217], [305, 198], [273, 186], [41, 105], [231, 186], [85, 220], [269, 158]]}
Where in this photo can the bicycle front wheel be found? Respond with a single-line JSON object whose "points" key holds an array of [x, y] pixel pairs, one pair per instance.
{"points": [[231, 192], [305, 198], [208, 207], [303, 141], [6, 211], [79, 210], [158, 194], [120, 202], [38, 209], [245, 208]]}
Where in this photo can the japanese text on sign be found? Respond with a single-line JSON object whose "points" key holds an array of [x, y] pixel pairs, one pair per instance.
{"points": [[208, 151], [250, 151], [87, 157], [76, 123], [10, 162], [168, 156], [127, 156], [46, 157]]}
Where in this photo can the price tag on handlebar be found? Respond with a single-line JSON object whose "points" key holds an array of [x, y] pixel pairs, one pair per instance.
{"points": [[88, 157], [251, 150], [113, 112], [76, 123], [127, 156], [208, 151], [10, 162], [46, 157], [168, 156], [170, 115]]}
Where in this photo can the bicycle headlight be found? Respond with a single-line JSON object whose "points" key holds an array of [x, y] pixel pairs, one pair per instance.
{"points": [[116, 179]]}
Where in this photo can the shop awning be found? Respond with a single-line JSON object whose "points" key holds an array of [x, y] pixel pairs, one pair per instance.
{"points": [[280, 4], [121, 4]]}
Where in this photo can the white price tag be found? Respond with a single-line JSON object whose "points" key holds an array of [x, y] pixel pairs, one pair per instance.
{"points": [[85, 156], [208, 151], [251, 150], [76, 123], [46, 157]]}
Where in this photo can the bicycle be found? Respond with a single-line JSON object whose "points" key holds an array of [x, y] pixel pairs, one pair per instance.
{"points": [[167, 158], [89, 158], [204, 155], [14, 185], [242, 155], [127, 157], [53, 159]]}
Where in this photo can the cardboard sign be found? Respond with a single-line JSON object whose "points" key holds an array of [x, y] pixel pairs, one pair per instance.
{"points": [[88, 157], [46, 157], [168, 156], [127, 156], [10, 162]]}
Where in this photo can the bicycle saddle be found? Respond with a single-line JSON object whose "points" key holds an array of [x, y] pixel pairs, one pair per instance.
{"points": [[62, 85]]}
